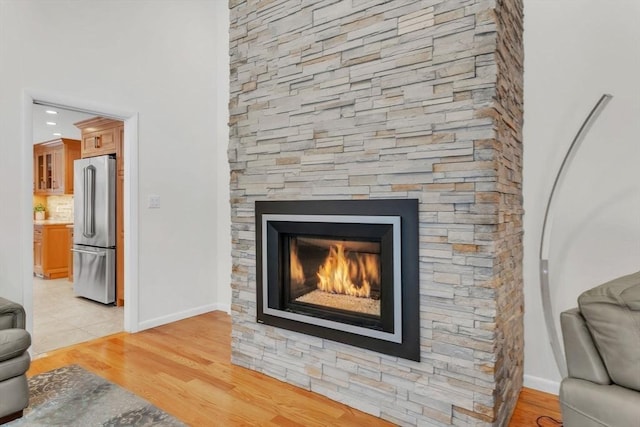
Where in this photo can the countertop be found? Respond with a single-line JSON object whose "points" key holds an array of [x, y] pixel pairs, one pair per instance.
{"points": [[52, 222]]}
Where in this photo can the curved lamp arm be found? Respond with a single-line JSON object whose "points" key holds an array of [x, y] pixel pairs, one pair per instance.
{"points": [[546, 231]]}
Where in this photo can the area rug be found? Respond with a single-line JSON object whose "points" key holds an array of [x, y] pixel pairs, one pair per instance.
{"points": [[72, 396]]}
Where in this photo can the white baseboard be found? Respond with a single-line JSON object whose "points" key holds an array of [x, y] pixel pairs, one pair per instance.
{"points": [[223, 307], [541, 384], [174, 317]]}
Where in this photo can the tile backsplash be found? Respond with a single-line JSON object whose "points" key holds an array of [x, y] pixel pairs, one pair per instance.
{"points": [[60, 208]]}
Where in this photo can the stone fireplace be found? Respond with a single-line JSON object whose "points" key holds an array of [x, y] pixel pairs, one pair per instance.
{"points": [[344, 270], [343, 101]]}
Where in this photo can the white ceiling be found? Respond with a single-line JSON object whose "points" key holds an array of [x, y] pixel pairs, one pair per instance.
{"points": [[64, 121]]}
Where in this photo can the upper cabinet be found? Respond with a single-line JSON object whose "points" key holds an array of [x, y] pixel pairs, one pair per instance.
{"points": [[100, 136], [53, 166]]}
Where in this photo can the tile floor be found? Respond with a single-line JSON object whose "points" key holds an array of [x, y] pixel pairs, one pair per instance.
{"points": [[61, 319]]}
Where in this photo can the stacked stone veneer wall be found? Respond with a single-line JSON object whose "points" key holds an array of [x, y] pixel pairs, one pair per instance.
{"points": [[358, 99]]}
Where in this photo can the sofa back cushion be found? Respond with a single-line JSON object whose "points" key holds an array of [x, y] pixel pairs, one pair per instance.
{"points": [[612, 314]]}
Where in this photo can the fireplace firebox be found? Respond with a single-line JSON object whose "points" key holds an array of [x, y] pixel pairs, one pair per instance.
{"points": [[344, 270]]}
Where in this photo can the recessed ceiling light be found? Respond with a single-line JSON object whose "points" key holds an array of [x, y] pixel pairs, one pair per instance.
{"points": [[51, 112], [57, 134], [51, 123]]}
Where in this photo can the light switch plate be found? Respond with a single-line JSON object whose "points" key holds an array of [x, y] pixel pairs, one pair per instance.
{"points": [[154, 202]]}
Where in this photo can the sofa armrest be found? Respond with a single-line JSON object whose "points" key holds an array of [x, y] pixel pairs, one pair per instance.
{"points": [[583, 360], [12, 315], [13, 342], [612, 314]]}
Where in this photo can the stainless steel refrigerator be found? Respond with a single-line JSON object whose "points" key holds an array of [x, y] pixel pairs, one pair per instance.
{"points": [[94, 229]]}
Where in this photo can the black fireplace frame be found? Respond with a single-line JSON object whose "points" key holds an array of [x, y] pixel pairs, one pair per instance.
{"points": [[403, 339]]}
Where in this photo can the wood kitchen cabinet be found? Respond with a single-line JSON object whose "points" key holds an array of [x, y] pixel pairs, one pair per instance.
{"points": [[101, 136], [53, 166], [50, 246], [37, 250]]}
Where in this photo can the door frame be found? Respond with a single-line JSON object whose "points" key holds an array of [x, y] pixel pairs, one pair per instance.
{"points": [[131, 208]]}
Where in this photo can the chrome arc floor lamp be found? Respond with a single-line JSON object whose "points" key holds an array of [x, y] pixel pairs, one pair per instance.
{"points": [[546, 231]]}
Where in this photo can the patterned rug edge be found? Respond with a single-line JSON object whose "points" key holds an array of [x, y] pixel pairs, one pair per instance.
{"points": [[73, 396]]}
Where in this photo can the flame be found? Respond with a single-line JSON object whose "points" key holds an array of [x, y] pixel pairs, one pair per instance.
{"points": [[296, 273], [341, 271]]}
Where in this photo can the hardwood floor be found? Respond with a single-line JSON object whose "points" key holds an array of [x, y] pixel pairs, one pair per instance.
{"points": [[184, 368], [533, 404]]}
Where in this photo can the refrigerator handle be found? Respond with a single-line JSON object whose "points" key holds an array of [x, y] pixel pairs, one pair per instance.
{"points": [[80, 251], [89, 201]]}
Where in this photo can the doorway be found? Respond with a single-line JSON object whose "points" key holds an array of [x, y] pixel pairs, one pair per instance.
{"points": [[52, 309]]}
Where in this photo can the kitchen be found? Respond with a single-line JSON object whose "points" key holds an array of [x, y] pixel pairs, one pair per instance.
{"points": [[78, 291]]}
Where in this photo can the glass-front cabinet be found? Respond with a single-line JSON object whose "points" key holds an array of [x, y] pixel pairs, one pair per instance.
{"points": [[45, 181], [53, 166]]}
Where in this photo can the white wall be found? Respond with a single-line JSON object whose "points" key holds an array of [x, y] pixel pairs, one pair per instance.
{"points": [[576, 50], [162, 61], [223, 238]]}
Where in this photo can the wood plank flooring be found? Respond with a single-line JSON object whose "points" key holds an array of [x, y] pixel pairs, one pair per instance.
{"points": [[184, 368], [533, 404]]}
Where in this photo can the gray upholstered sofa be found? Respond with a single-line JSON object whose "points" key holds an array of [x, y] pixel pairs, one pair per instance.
{"points": [[602, 347], [14, 361]]}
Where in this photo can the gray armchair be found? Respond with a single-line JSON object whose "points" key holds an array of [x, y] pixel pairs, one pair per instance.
{"points": [[602, 347], [14, 361]]}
